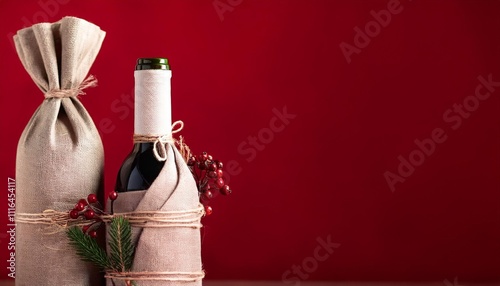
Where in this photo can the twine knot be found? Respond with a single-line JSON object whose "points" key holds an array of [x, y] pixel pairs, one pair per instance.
{"points": [[90, 81], [160, 141]]}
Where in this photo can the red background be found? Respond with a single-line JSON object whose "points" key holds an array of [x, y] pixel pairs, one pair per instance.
{"points": [[323, 174]]}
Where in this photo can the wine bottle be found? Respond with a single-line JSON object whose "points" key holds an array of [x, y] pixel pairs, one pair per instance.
{"points": [[152, 117]]}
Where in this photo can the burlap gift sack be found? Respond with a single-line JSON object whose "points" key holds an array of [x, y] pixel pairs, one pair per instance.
{"points": [[60, 155], [168, 245]]}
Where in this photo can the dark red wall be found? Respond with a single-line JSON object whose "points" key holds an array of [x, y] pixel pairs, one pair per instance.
{"points": [[365, 126]]}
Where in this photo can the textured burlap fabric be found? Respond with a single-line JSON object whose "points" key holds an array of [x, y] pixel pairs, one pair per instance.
{"points": [[60, 155], [165, 249]]}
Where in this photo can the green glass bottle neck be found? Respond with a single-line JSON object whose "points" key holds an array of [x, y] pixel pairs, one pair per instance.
{"points": [[152, 64]]}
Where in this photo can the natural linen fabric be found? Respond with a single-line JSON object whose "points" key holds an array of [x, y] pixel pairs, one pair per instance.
{"points": [[169, 249], [152, 103], [60, 157]]}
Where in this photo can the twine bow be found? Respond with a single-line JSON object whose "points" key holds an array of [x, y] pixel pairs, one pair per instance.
{"points": [[160, 141], [90, 81]]}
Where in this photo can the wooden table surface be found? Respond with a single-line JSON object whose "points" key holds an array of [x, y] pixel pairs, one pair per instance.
{"points": [[280, 283]]}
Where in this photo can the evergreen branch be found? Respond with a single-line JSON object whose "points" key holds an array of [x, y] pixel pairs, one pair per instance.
{"points": [[87, 248], [121, 247]]}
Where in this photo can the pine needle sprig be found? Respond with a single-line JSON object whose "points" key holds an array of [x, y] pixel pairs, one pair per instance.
{"points": [[87, 248], [120, 255], [121, 248], [120, 243]]}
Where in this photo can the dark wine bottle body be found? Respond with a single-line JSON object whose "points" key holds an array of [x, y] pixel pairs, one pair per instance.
{"points": [[139, 169]]}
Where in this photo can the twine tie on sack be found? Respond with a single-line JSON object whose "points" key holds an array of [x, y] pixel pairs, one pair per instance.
{"points": [[160, 141], [162, 219], [153, 219], [90, 81], [55, 220]]}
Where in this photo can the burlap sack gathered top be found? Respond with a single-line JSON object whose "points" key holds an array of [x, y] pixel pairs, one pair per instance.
{"points": [[60, 156]]}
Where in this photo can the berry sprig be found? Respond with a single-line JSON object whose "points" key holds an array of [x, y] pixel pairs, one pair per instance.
{"points": [[90, 209], [208, 175]]}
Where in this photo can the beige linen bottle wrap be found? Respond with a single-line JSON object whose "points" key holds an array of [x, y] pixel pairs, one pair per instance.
{"points": [[165, 218], [60, 156]]}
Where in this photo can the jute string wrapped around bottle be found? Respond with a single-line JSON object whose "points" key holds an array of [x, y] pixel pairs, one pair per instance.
{"points": [[60, 155]]}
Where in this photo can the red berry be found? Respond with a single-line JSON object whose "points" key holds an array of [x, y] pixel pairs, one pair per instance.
{"points": [[203, 157], [212, 174], [89, 214], [85, 228], [92, 198], [79, 206], [205, 187], [83, 201], [208, 210], [220, 173], [219, 164], [93, 234], [74, 214], [202, 165], [191, 161], [113, 195], [225, 190], [210, 158], [219, 182], [208, 194], [212, 167]]}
